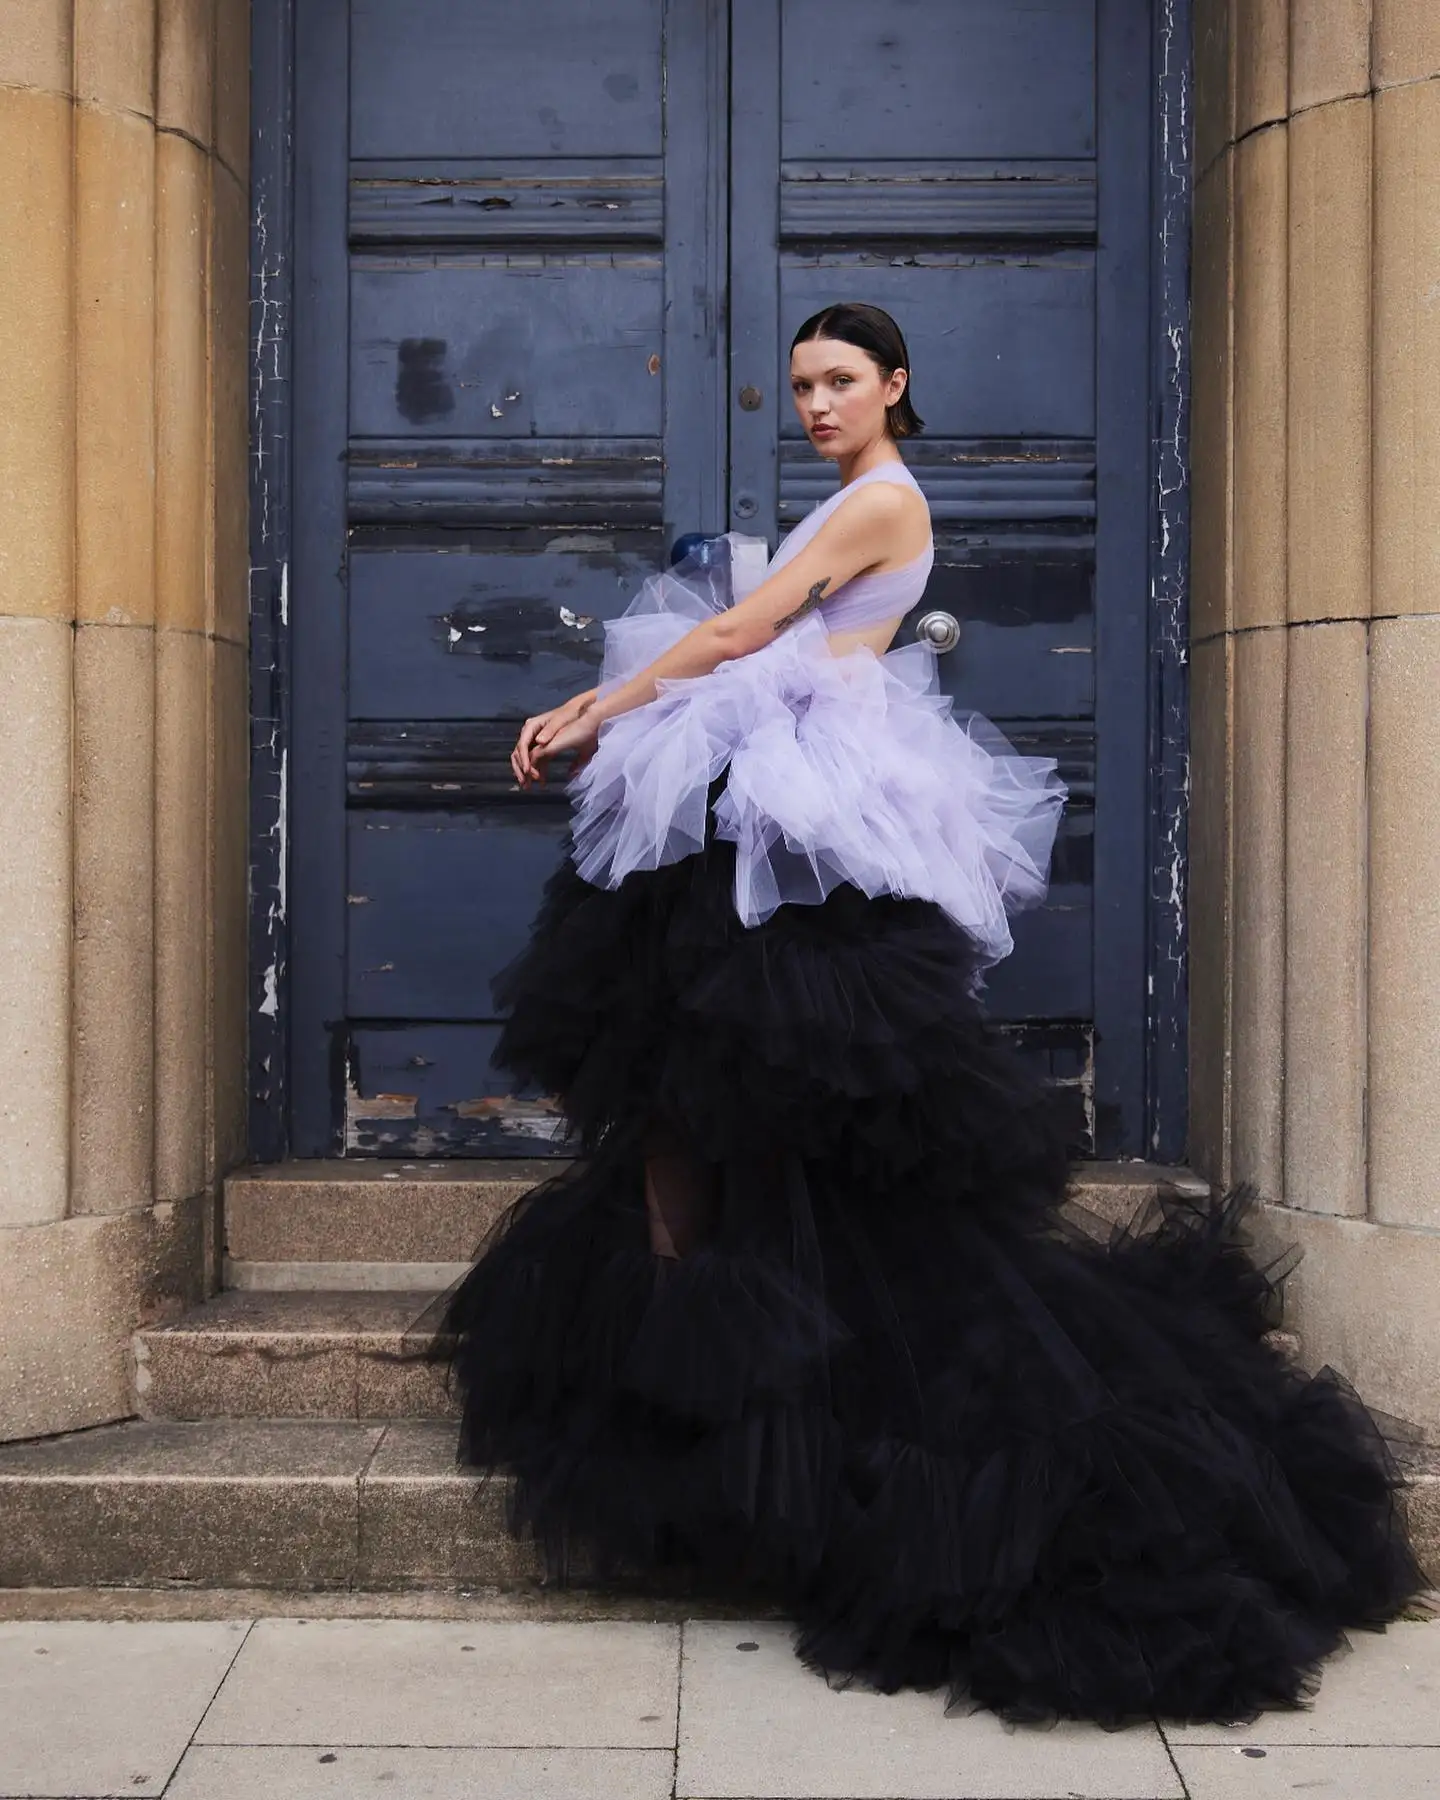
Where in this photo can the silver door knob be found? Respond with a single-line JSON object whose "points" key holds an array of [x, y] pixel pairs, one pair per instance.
{"points": [[941, 630]]}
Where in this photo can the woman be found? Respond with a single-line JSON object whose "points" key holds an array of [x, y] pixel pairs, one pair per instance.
{"points": [[803, 1314]]}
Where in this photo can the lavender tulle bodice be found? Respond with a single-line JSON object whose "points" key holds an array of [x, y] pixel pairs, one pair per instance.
{"points": [[838, 767], [865, 599]]}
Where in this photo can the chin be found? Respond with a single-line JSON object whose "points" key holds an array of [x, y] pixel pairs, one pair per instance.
{"points": [[827, 446]]}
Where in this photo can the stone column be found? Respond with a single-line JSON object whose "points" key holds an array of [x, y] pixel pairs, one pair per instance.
{"points": [[1316, 661], [122, 680]]}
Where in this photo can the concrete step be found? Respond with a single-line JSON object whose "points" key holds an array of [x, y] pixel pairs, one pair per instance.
{"points": [[336, 1268], [414, 1227], [321, 1355], [1115, 1193], [252, 1503], [304, 1504], [351, 1225]]}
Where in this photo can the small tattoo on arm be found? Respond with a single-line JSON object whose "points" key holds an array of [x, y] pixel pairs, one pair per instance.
{"points": [[807, 605]]}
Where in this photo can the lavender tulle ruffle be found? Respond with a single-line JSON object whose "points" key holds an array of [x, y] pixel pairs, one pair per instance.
{"points": [[838, 768]]}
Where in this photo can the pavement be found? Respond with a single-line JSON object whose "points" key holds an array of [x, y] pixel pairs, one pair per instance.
{"points": [[330, 1708]]}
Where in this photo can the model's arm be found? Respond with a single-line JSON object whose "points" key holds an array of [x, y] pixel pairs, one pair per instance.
{"points": [[858, 535], [855, 537]]}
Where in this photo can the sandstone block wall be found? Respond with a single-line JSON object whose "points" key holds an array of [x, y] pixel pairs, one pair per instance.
{"points": [[123, 682], [1315, 657]]}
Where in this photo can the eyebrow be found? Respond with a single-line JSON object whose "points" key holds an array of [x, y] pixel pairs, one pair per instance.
{"points": [[834, 369]]}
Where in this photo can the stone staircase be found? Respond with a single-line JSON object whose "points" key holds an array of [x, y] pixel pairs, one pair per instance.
{"points": [[288, 1434]]}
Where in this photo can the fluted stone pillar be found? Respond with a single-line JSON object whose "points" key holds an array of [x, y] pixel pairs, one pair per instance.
{"points": [[1315, 899], [123, 212]]}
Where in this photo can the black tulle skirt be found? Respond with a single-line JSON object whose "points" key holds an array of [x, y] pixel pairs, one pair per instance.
{"points": [[886, 1386]]}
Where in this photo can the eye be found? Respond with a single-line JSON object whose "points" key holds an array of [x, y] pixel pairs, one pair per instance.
{"points": [[844, 380]]}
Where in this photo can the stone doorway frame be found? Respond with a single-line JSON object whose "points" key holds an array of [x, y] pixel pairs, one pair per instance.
{"points": [[1167, 696]]}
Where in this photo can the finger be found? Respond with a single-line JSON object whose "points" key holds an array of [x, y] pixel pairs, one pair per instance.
{"points": [[525, 746], [524, 750]]}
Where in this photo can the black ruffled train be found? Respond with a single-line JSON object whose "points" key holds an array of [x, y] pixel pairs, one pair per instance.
{"points": [[964, 1446]]}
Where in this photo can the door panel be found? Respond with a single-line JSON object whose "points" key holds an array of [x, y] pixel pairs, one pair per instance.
{"points": [[549, 248], [984, 78], [493, 351], [524, 341], [428, 917], [552, 78], [947, 163], [432, 1089], [999, 351], [447, 633]]}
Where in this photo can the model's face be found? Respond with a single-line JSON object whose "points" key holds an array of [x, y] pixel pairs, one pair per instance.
{"points": [[840, 395]]}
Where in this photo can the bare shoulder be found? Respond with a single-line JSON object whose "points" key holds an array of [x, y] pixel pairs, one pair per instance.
{"points": [[889, 518]]}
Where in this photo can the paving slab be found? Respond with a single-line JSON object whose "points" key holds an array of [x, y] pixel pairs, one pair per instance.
{"points": [[1384, 1690], [444, 1685], [94, 1709], [756, 1725], [346, 1773], [1310, 1772]]}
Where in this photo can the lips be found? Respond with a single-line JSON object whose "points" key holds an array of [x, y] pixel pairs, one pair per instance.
{"points": [[823, 430]]}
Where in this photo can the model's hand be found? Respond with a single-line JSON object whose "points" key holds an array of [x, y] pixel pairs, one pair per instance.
{"points": [[579, 736], [541, 731]]}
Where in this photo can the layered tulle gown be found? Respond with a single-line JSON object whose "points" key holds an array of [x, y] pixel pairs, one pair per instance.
{"points": [[803, 1318]]}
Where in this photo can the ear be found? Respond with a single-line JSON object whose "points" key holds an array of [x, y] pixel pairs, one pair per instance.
{"points": [[896, 386]]}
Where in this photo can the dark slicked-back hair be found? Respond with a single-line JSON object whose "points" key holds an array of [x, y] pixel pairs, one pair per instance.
{"points": [[871, 329]]}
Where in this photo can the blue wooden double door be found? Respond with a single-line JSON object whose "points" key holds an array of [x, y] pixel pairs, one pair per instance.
{"points": [[548, 259]]}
